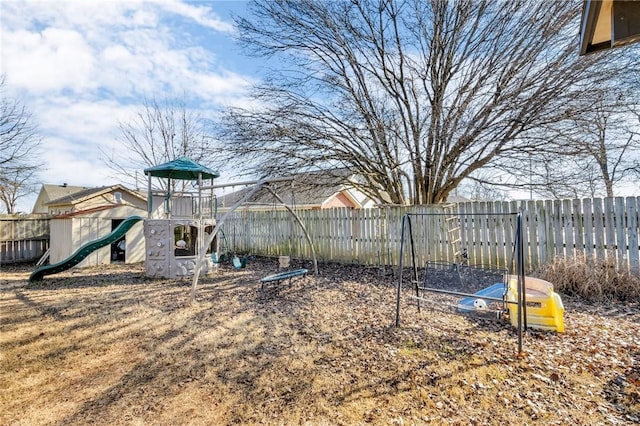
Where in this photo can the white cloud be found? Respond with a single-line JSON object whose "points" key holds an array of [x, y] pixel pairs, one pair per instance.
{"points": [[83, 66], [203, 15], [127, 48], [79, 121], [54, 59], [64, 165]]}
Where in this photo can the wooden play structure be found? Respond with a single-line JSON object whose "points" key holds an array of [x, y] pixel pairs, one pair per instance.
{"points": [[181, 228], [178, 220]]}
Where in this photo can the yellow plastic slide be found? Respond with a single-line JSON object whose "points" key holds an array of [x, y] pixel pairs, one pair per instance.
{"points": [[544, 308]]}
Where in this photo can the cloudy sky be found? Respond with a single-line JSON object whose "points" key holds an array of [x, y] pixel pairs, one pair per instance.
{"points": [[82, 66]]}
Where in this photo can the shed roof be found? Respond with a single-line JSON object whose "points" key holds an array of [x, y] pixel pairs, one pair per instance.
{"points": [[181, 169], [87, 193], [85, 212]]}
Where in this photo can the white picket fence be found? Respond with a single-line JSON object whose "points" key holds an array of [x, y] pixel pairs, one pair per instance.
{"points": [[604, 229]]}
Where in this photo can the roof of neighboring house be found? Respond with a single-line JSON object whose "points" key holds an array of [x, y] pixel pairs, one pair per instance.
{"points": [[65, 195], [55, 192], [307, 189], [454, 198], [76, 197], [49, 192]]}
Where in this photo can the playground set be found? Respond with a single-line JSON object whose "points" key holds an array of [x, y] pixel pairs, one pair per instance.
{"points": [[181, 240], [181, 228]]}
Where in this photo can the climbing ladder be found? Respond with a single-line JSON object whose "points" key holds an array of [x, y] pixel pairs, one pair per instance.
{"points": [[454, 234]]}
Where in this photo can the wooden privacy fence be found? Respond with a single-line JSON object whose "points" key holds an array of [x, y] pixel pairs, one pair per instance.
{"points": [[23, 238], [603, 229]]}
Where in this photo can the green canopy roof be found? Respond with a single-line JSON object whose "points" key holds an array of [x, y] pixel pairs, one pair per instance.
{"points": [[182, 169]]}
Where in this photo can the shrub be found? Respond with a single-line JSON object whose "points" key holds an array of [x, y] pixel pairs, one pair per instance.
{"points": [[591, 279]]}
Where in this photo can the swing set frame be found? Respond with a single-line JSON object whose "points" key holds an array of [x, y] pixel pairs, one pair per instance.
{"points": [[406, 238], [256, 186]]}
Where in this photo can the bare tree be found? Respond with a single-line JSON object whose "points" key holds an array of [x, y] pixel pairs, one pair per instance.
{"points": [[16, 183], [591, 154], [19, 150], [414, 96], [158, 133], [610, 145], [477, 190]]}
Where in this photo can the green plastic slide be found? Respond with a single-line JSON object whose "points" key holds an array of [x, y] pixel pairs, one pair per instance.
{"points": [[84, 251]]}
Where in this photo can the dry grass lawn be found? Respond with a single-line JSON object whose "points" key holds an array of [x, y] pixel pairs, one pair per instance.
{"points": [[109, 346]]}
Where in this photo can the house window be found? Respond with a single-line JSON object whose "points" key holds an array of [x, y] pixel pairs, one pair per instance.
{"points": [[117, 197]]}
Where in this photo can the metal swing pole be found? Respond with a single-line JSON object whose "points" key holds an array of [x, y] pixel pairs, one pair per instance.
{"points": [[214, 232], [400, 267], [304, 229], [522, 300], [406, 219]]}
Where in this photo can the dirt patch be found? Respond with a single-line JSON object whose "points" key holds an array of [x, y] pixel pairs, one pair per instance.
{"points": [[108, 346]]}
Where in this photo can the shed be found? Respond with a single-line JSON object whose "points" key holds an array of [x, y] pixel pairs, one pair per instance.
{"points": [[86, 215]]}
